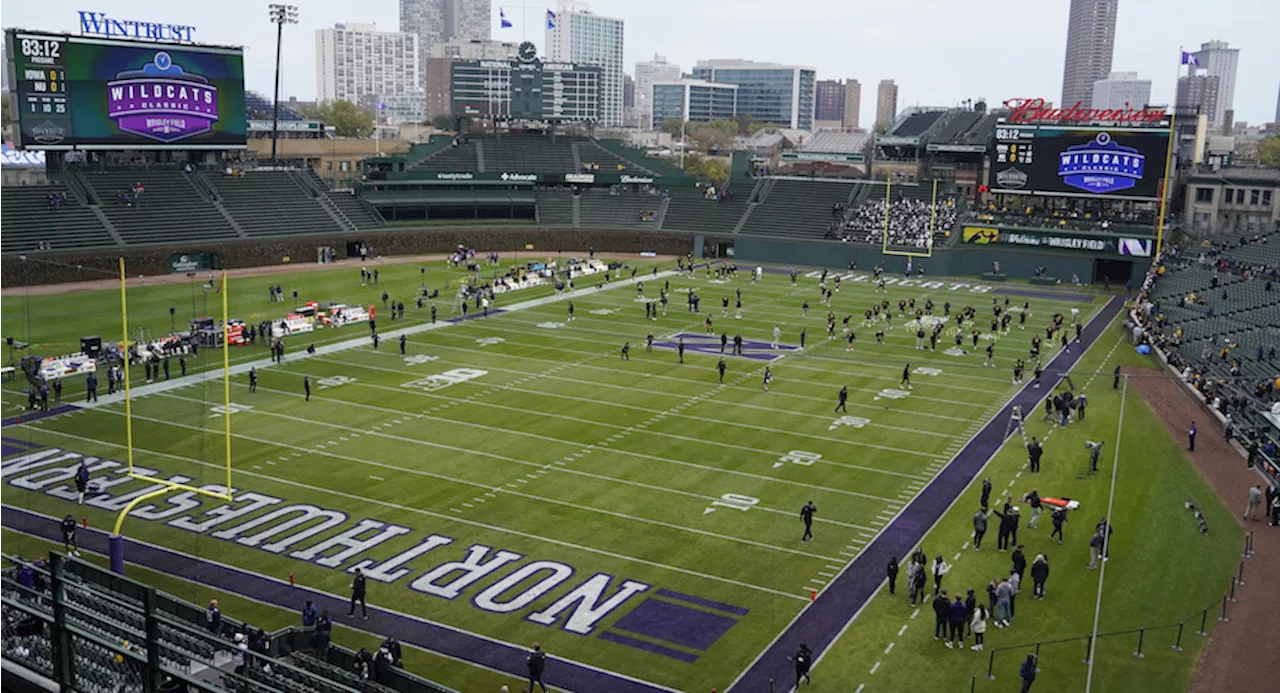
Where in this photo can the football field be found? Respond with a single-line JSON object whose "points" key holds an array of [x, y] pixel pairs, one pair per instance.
{"points": [[515, 478]]}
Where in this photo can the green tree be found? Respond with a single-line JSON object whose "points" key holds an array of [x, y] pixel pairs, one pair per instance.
{"points": [[348, 119], [671, 126], [882, 126], [443, 122], [1268, 151]]}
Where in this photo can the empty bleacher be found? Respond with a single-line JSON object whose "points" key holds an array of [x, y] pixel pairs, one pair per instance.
{"points": [[527, 154], [689, 210], [604, 208], [28, 220], [555, 207], [590, 151], [464, 156], [796, 208], [916, 124], [271, 203], [956, 124], [170, 210]]}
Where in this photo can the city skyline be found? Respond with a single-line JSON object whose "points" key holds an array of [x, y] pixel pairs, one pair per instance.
{"points": [[1027, 63]]}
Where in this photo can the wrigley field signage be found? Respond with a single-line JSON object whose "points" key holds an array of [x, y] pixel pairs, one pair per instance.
{"points": [[1036, 111]]}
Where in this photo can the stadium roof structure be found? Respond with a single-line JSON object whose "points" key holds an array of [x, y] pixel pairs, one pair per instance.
{"points": [[910, 126], [835, 142], [767, 139]]}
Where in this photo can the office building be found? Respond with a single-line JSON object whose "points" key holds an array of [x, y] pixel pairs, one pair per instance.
{"points": [[1122, 90], [647, 73], [1091, 39], [357, 60], [577, 35], [527, 88], [693, 99], [436, 21], [779, 95], [886, 103], [852, 104], [1219, 60], [1198, 93]]}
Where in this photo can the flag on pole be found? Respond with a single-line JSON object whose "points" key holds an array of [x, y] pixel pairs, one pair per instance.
{"points": [[1189, 59], [551, 19], [502, 17]]}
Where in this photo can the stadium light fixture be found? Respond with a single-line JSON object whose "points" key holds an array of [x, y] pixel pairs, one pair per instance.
{"points": [[280, 15]]}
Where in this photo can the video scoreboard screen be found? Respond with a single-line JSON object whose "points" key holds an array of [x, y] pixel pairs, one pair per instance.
{"points": [[1123, 163], [92, 93]]}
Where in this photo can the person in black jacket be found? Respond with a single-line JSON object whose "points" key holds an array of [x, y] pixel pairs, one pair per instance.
{"points": [[392, 646], [804, 662], [1059, 518], [1008, 524], [970, 604], [986, 494], [1033, 500], [358, 595], [892, 571], [1028, 671], [1019, 562], [979, 526], [537, 663], [1039, 573], [941, 615]]}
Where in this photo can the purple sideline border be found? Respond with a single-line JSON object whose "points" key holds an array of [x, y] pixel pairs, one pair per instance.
{"points": [[699, 601], [28, 417], [821, 622]]}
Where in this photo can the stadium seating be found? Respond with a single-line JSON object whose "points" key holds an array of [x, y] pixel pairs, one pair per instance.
{"points": [[555, 207], [916, 124], [362, 216], [954, 125], [590, 152], [464, 156], [603, 208], [527, 154], [798, 208], [689, 210], [271, 203], [28, 220], [171, 210]]}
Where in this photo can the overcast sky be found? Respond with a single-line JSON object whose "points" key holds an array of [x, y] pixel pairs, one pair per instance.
{"points": [[938, 51]]}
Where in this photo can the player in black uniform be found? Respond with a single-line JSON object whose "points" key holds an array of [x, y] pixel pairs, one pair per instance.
{"points": [[69, 535], [806, 514], [724, 306], [991, 355], [768, 376], [906, 377], [648, 343], [842, 398], [724, 341], [680, 349], [253, 380], [737, 345], [402, 342], [626, 351], [82, 481], [804, 662], [1017, 371], [853, 336], [720, 367], [1038, 371], [536, 662], [570, 312], [306, 386]]}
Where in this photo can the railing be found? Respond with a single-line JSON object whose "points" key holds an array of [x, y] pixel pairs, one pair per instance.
{"points": [[1140, 635]]}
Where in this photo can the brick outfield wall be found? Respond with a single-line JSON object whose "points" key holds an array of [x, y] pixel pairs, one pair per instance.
{"points": [[58, 267]]}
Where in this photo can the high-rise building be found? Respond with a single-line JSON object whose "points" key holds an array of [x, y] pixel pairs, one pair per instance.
{"points": [[436, 21], [1199, 93], [439, 67], [577, 35], [886, 103], [1091, 39], [1121, 90], [837, 103], [852, 104], [356, 60], [693, 99], [647, 73], [1219, 60], [770, 93]]}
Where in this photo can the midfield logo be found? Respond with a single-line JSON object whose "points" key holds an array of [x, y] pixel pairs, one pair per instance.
{"points": [[709, 344]]}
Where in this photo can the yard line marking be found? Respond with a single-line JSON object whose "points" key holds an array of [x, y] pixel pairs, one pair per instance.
{"points": [[454, 510], [847, 553], [966, 545], [860, 687], [874, 667], [257, 467], [914, 614], [468, 505], [902, 630], [826, 575], [888, 649], [956, 557], [834, 567], [376, 478], [429, 513]]}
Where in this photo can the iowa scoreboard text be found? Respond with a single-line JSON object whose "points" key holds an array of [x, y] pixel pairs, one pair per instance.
{"points": [[90, 93]]}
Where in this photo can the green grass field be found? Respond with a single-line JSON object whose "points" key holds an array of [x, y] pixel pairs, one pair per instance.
{"points": [[525, 445]]}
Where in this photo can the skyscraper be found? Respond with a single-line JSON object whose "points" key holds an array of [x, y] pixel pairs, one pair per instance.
{"points": [[1220, 61], [434, 21], [1091, 39], [886, 103], [357, 60], [770, 93], [577, 35], [838, 101], [1199, 93], [1122, 90], [852, 103], [647, 73]]}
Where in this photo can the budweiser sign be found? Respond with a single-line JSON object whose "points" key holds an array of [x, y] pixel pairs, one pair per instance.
{"points": [[1035, 111]]}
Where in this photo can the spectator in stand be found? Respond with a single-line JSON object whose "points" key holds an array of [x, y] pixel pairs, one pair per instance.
{"points": [[213, 617], [309, 615]]}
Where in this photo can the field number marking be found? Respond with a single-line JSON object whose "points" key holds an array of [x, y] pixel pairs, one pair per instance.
{"points": [[419, 359], [334, 381], [235, 409], [489, 341], [799, 457], [851, 421], [550, 325], [925, 370], [892, 393], [431, 383], [732, 500]]}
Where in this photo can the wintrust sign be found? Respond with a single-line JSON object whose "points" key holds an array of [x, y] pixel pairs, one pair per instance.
{"points": [[1037, 111], [99, 24]]}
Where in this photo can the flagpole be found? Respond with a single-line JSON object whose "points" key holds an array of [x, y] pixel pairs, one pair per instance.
{"points": [[1168, 159]]}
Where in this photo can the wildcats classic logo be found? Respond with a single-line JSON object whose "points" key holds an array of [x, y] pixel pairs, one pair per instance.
{"points": [[1101, 166], [162, 101]]}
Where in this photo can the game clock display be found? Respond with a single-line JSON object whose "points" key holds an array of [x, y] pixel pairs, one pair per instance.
{"points": [[1116, 162], [91, 93]]}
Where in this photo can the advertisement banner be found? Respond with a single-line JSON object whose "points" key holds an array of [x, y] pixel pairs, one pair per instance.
{"points": [[95, 93], [1094, 243], [184, 263]]}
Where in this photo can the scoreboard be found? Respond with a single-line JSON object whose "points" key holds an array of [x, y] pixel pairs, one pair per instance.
{"points": [[73, 92], [1122, 163]]}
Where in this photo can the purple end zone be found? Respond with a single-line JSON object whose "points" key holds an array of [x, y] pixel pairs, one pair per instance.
{"points": [[649, 647], [821, 621], [677, 624], [28, 417], [13, 446], [689, 598], [429, 636]]}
